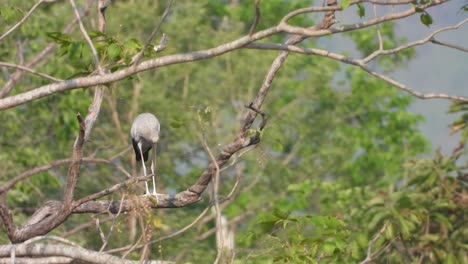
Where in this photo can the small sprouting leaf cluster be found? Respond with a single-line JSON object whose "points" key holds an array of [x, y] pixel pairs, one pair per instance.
{"points": [[110, 50]]}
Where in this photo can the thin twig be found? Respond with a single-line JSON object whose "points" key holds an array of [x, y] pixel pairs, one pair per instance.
{"points": [[112, 225], [24, 68], [256, 18], [450, 45], [13, 28], [85, 35], [422, 41], [178, 232], [111, 190], [31, 172], [379, 34], [369, 256], [139, 55], [215, 189], [80, 227]]}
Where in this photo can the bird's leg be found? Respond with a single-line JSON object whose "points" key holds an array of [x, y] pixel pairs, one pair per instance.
{"points": [[144, 167], [153, 167]]}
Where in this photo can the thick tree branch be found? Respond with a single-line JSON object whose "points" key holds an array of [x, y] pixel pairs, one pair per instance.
{"points": [[52, 250], [82, 82], [74, 169]]}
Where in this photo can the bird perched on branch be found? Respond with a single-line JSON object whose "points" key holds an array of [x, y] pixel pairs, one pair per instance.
{"points": [[145, 135]]}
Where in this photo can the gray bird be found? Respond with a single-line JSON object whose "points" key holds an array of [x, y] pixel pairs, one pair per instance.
{"points": [[145, 134]]}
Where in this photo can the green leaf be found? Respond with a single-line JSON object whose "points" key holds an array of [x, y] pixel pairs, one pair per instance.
{"points": [[95, 34], [277, 146], [361, 10], [281, 214], [430, 237], [328, 248], [10, 14], [74, 52], [345, 4], [389, 232], [426, 19], [113, 51], [59, 37]]}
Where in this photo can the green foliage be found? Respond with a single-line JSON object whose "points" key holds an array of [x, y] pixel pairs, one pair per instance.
{"points": [[424, 219], [361, 10], [426, 19]]}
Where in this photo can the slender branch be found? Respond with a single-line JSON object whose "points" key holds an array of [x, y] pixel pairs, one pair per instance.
{"points": [[111, 190], [368, 258], [256, 18], [328, 31], [53, 238], [80, 227], [24, 68], [379, 34], [310, 9], [112, 226], [215, 180], [85, 35], [13, 28], [178, 232], [8, 185], [347, 60], [429, 38], [138, 57], [450, 45]]}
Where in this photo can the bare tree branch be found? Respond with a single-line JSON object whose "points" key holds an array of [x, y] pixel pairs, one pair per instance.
{"points": [[323, 32], [371, 243], [44, 260], [450, 45], [8, 185], [111, 189], [24, 68], [77, 253], [256, 18], [347, 60], [429, 38]]}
